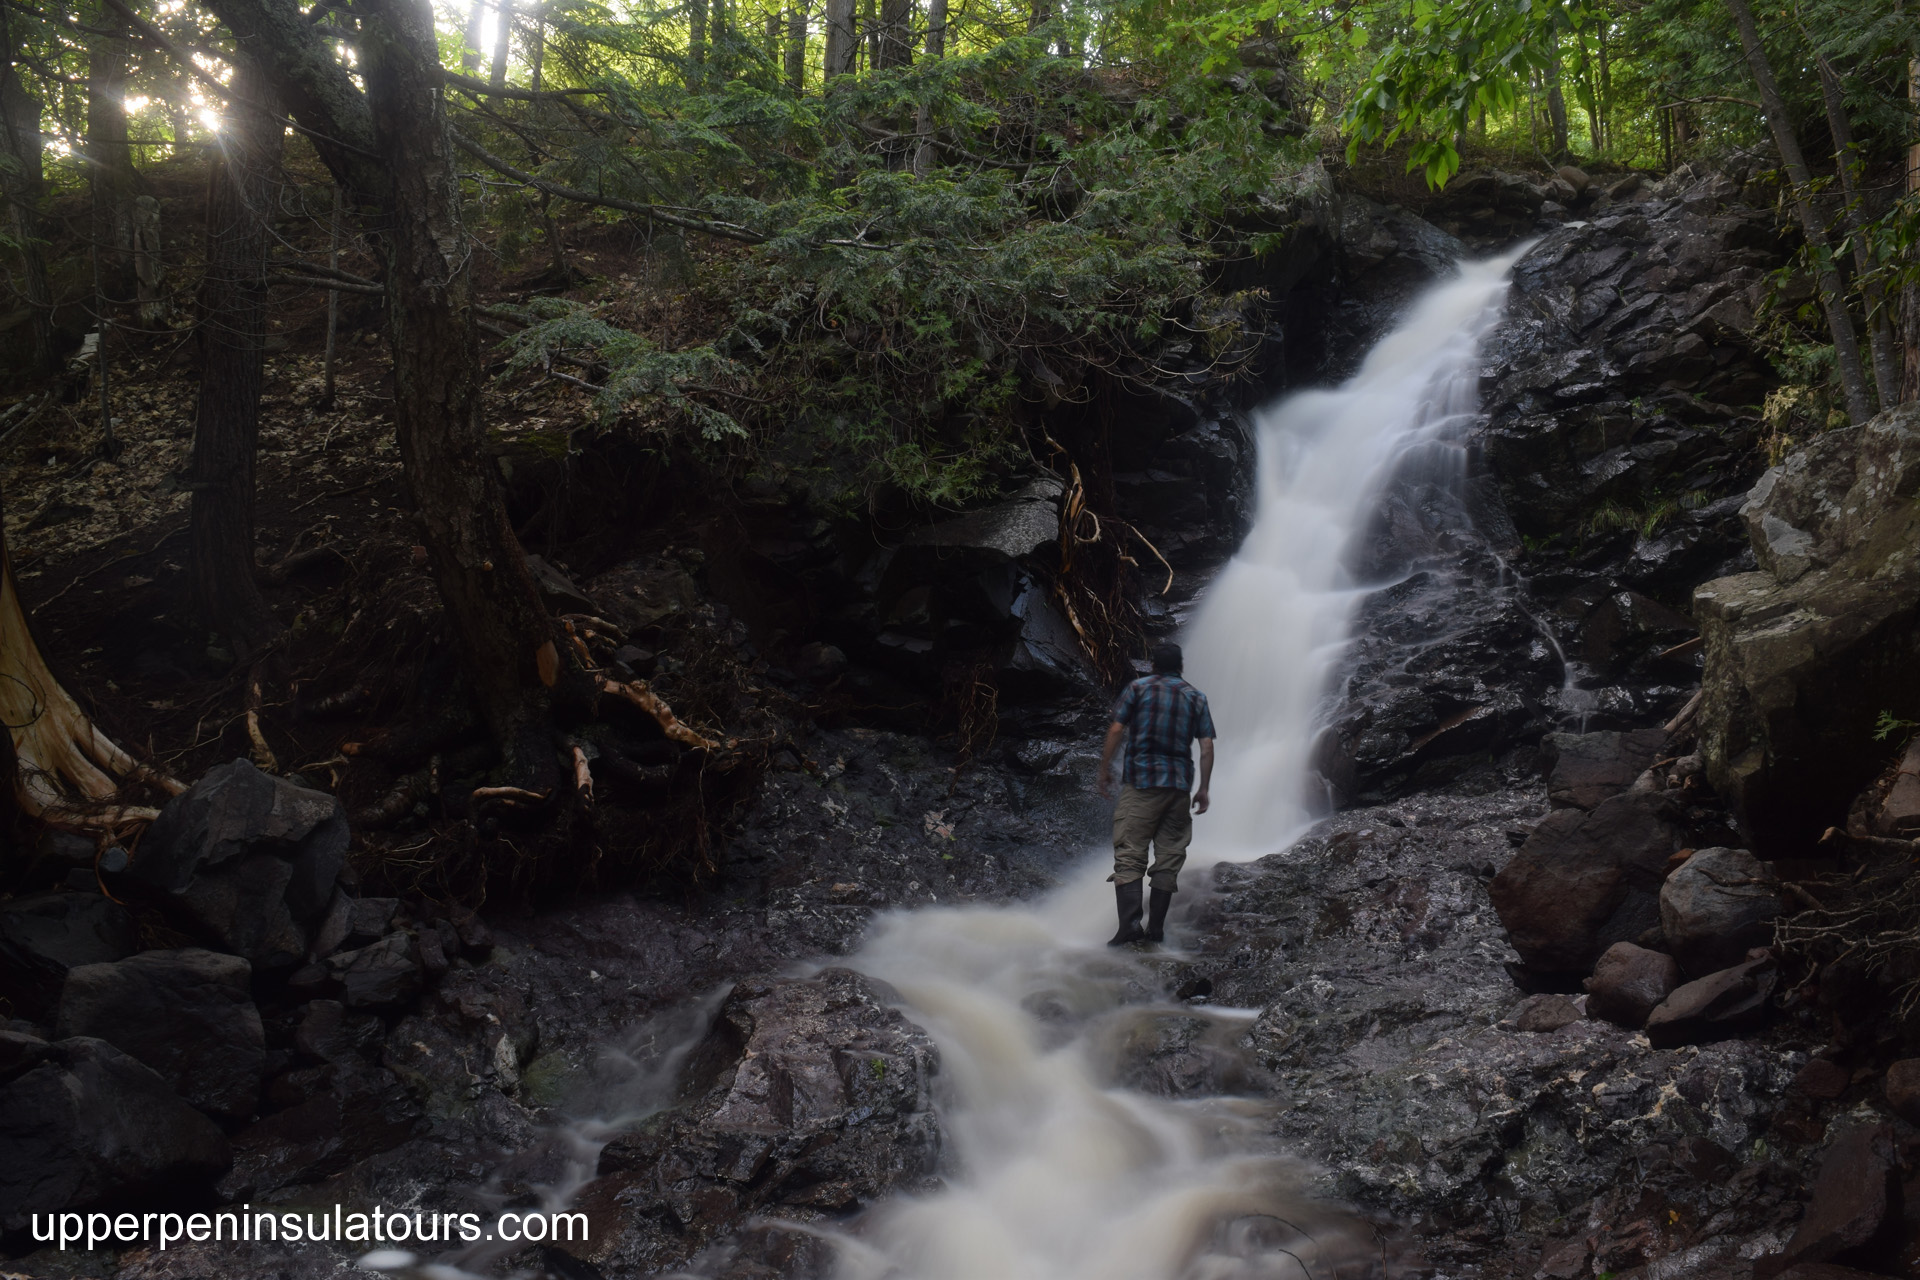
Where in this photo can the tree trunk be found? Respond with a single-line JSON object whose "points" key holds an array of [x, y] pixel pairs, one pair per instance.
{"points": [[1606, 82], [1557, 108], [841, 45], [926, 155], [110, 157], [893, 38], [233, 334], [61, 761], [149, 265], [1886, 363], [509, 645], [797, 50], [696, 42], [1846, 347], [870, 25], [1589, 93], [23, 184], [502, 45], [470, 51], [1910, 295]]}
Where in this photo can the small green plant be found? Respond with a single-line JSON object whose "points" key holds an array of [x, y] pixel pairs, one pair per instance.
{"points": [[1888, 725], [877, 1068]]}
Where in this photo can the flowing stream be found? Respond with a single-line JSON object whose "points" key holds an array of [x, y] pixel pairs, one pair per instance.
{"points": [[1056, 1172]]}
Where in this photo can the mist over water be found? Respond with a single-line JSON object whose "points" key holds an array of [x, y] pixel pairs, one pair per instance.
{"points": [[1274, 624], [1054, 1171]]}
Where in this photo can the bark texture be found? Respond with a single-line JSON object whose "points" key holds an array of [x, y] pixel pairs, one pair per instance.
{"points": [[23, 184], [841, 45], [509, 644], [110, 157], [233, 334]]}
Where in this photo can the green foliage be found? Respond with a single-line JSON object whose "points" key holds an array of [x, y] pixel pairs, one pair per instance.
{"points": [[1889, 726]]}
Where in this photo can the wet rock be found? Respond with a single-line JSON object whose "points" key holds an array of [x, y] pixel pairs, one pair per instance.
{"points": [[1897, 816], [44, 935], [1584, 881], [377, 976], [331, 1032], [352, 923], [1586, 768], [1629, 983], [1854, 1215], [1179, 1055], [1543, 1012], [352, 1112], [246, 860], [91, 1126], [474, 1034], [557, 591], [187, 1014], [1719, 905], [19, 1052], [807, 1095], [1729, 1003], [1902, 1089], [1803, 656]]}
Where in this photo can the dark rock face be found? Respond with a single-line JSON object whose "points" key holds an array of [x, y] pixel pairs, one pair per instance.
{"points": [[330, 1032], [474, 1033], [1902, 1088], [384, 974], [1629, 983], [808, 1097], [247, 860], [1586, 768], [1854, 1215], [1719, 904], [91, 1126], [187, 1014], [1804, 654], [1584, 881], [353, 1111], [1728, 1003], [45, 935]]}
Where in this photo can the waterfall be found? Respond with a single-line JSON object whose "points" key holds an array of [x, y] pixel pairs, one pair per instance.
{"points": [[1272, 628], [1055, 1172]]}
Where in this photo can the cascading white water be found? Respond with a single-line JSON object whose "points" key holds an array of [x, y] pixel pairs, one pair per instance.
{"points": [[1056, 1173], [1272, 627]]}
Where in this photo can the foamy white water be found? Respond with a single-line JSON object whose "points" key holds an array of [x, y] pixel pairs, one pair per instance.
{"points": [[1055, 1172], [1275, 623]]}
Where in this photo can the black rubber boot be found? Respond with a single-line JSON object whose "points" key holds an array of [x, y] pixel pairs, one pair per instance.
{"points": [[1157, 903], [1127, 897]]}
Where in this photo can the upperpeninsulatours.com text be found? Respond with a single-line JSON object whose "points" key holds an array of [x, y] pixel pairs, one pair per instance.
{"points": [[246, 1225]]}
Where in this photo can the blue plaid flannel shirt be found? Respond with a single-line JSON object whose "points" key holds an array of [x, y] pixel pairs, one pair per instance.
{"points": [[1163, 715]]}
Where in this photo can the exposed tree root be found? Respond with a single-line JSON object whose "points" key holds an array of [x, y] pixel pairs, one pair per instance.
{"points": [[650, 702], [68, 770]]}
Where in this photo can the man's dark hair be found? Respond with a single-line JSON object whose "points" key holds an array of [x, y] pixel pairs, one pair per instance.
{"points": [[1166, 658]]}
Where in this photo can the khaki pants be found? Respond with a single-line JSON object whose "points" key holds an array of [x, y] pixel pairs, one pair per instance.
{"points": [[1157, 815]]}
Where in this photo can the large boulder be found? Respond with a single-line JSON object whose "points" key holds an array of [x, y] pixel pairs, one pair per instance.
{"points": [[247, 861], [188, 1014], [1854, 1215], [1718, 906], [807, 1095], [351, 1111], [89, 1126], [44, 935], [1584, 881], [1805, 654]]}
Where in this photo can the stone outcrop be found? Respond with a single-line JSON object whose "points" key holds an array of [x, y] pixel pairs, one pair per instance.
{"points": [[807, 1097], [1805, 654], [1629, 983], [1728, 1003], [45, 935], [247, 861]]}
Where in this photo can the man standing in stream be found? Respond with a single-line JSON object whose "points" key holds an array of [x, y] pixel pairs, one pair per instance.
{"points": [[1160, 716]]}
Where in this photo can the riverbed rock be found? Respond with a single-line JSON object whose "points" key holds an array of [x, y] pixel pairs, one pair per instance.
{"points": [[188, 1014], [45, 935], [331, 1032], [473, 1034], [1586, 768], [1897, 814], [1629, 983], [1584, 881], [1728, 1003], [1805, 654], [1720, 904], [90, 1126], [380, 975], [1902, 1089], [1543, 1012], [246, 860], [1854, 1214], [351, 1111], [807, 1097], [352, 923]]}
